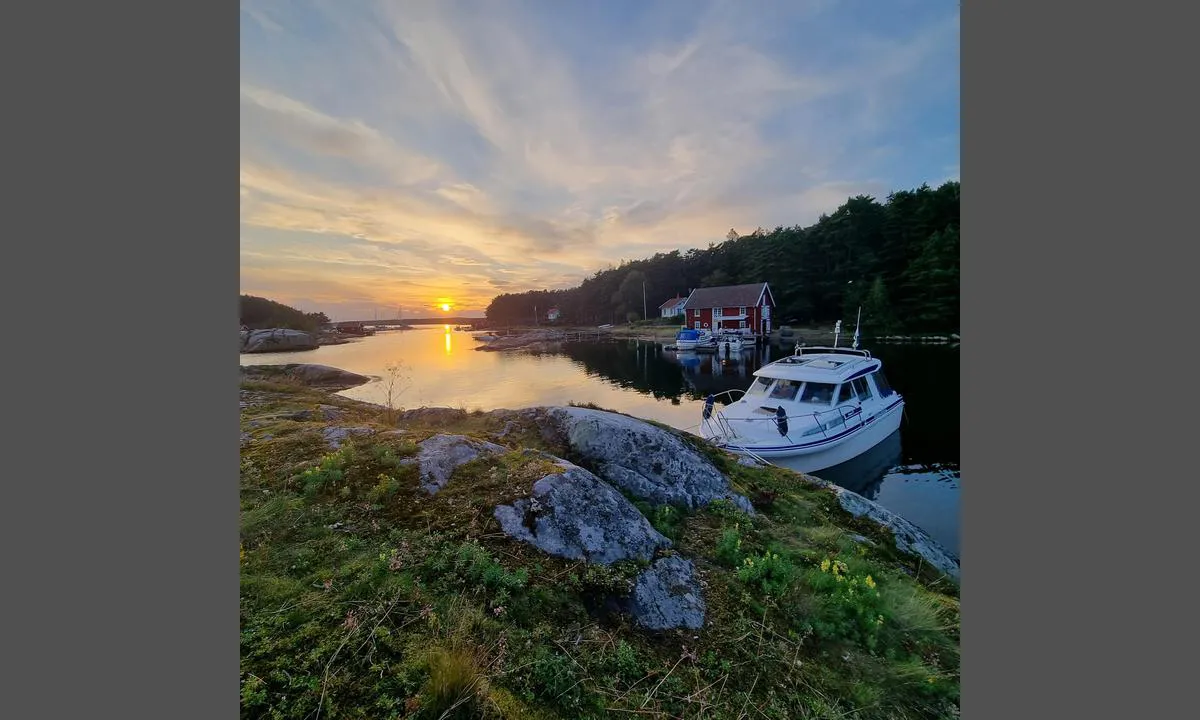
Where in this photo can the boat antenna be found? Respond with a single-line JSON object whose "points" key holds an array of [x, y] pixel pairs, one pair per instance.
{"points": [[837, 330], [856, 324]]}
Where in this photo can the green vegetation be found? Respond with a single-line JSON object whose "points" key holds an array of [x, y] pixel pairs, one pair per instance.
{"points": [[260, 313], [898, 259], [364, 597]]}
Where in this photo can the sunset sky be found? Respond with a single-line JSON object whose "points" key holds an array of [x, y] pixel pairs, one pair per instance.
{"points": [[414, 153]]}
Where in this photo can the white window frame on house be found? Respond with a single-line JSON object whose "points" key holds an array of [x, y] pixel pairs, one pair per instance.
{"points": [[695, 324], [742, 324], [741, 311]]}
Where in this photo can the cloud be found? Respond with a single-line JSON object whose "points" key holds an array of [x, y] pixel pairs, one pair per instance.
{"points": [[270, 119], [522, 146]]}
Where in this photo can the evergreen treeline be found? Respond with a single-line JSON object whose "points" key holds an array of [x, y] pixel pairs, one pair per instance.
{"points": [[898, 259], [259, 313]]}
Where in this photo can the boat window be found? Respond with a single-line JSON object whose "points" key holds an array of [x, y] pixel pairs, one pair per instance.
{"points": [[846, 393], [785, 390], [862, 388], [759, 387], [881, 382], [820, 393]]}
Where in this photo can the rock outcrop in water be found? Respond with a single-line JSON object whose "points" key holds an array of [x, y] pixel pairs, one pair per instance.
{"points": [[908, 537], [277, 340], [309, 374]]}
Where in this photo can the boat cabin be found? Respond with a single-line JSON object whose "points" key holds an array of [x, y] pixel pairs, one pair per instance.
{"points": [[818, 379]]}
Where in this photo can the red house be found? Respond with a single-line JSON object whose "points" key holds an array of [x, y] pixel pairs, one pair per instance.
{"points": [[744, 309]]}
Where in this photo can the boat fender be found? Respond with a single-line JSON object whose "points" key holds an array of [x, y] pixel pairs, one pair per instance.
{"points": [[781, 420], [708, 405]]}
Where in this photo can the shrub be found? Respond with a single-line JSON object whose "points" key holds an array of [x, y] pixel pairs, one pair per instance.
{"points": [[853, 608], [770, 572]]}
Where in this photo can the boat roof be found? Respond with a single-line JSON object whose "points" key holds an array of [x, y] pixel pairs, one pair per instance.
{"points": [[827, 365]]}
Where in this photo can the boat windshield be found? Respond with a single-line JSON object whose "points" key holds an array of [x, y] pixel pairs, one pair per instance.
{"points": [[785, 390], [817, 393], [759, 387]]}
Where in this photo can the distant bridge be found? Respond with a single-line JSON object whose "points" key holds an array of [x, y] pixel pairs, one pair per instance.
{"points": [[442, 320]]}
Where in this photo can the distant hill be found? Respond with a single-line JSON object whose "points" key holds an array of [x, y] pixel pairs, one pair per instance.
{"points": [[258, 313]]}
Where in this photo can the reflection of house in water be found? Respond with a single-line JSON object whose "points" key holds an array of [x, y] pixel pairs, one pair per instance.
{"points": [[715, 372], [635, 365]]}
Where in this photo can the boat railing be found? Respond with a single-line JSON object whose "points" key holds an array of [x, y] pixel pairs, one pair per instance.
{"points": [[823, 420], [729, 393], [818, 350]]}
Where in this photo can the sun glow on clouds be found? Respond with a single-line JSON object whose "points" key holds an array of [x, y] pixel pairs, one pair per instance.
{"points": [[392, 151]]}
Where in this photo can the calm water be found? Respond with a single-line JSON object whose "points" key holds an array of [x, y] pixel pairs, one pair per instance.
{"points": [[914, 473]]}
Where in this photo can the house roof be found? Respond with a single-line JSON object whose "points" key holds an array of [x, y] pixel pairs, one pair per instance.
{"points": [[728, 296], [671, 303]]}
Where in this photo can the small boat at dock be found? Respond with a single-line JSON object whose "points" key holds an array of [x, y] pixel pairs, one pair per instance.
{"points": [[687, 339], [733, 342]]}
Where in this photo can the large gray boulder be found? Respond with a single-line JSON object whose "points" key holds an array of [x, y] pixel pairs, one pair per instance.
{"points": [[277, 340], [578, 516], [909, 538], [442, 454], [646, 461], [667, 595]]}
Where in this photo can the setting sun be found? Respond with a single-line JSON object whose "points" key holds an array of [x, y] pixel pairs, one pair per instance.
{"points": [[445, 307]]}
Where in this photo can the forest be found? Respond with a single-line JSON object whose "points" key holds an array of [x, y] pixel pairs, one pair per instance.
{"points": [[898, 260], [258, 313]]}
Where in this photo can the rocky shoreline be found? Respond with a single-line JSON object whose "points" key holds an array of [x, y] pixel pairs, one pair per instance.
{"points": [[590, 542], [639, 458]]}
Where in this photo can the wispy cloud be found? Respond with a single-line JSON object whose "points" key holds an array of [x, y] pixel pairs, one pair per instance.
{"points": [[449, 149]]}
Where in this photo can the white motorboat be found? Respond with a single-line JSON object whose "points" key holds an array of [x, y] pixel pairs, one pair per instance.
{"points": [[687, 339], [818, 407]]}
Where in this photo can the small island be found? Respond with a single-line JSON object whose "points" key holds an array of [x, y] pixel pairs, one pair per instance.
{"points": [[565, 562]]}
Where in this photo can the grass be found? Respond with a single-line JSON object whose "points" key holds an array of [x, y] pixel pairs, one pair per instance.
{"points": [[364, 597]]}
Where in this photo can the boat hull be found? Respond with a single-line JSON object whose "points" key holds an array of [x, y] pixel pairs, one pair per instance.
{"points": [[817, 455]]}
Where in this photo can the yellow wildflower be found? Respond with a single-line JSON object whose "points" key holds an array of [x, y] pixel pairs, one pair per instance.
{"points": [[825, 565], [870, 582]]}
